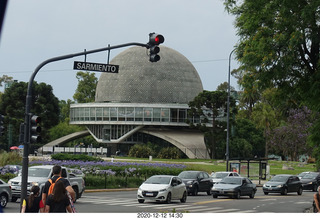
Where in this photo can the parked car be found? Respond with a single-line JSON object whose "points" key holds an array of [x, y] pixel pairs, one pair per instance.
{"points": [[38, 175], [234, 186], [300, 175], [196, 181], [5, 193], [162, 188], [218, 176], [283, 184], [311, 181]]}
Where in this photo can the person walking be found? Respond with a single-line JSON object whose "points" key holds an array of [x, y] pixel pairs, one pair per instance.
{"points": [[57, 171], [58, 201], [34, 202], [316, 201]]}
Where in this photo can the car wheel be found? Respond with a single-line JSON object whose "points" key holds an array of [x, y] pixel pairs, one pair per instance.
{"points": [[168, 200], [237, 196], [214, 196], [315, 187], [3, 200], [184, 197], [284, 192], [252, 194], [141, 200], [300, 191], [266, 193], [195, 190]]}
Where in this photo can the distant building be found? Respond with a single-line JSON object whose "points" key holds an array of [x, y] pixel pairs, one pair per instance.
{"points": [[144, 102]]}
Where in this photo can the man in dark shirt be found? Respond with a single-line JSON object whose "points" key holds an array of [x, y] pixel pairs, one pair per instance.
{"points": [[56, 171]]}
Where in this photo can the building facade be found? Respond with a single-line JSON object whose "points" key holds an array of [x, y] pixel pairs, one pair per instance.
{"points": [[144, 99]]}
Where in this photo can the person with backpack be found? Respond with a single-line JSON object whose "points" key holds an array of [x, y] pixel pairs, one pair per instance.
{"points": [[34, 202], [50, 184], [58, 201]]}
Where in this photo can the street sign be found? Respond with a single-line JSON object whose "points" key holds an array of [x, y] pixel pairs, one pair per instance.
{"points": [[88, 66]]}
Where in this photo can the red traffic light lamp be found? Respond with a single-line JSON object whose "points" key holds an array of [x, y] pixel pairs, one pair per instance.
{"points": [[35, 129], [154, 40]]}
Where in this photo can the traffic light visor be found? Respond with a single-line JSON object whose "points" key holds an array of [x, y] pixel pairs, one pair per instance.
{"points": [[156, 39], [35, 119]]}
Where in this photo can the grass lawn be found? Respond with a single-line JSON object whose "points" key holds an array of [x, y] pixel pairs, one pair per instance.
{"points": [[276, 167]]}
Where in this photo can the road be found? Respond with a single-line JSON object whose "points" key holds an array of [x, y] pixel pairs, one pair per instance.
{"points": [[126, 202]]}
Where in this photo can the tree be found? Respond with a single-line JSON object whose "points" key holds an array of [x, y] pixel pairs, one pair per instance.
{"points": [[247, 141], [44, 104], [86, 90], [280, 44], [290, 139], [210, 105]]}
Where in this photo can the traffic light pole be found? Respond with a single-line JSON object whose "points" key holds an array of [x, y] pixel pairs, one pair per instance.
{"points": [[26, 143]]}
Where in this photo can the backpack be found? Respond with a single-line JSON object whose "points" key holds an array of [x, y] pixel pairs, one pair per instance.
{"points": [[52, 185]]}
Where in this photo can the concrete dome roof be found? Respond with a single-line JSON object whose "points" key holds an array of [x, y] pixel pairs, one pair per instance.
{"points": [[173, 79]]}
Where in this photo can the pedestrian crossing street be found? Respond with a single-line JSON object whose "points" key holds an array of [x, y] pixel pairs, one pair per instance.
{"points": [[160, 207]]}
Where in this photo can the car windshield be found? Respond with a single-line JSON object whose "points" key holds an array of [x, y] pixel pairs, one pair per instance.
{"points": [[219, 175], [310, 176], [188, 175], [158, 180], [279, 179], [231, 180], [302, 174], [39, 172]]}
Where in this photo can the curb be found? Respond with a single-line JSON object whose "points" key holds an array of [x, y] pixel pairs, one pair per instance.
{"points": [[109, 190]]}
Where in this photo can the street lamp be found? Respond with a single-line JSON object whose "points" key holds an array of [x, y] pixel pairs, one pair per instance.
{"points": [[228, 113]]}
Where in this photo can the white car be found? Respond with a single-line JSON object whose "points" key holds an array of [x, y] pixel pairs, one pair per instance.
{"points": [[162, 188], [218, 176]]}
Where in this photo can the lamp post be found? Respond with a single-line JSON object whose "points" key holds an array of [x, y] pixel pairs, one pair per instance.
{"points": [[228, 113]]}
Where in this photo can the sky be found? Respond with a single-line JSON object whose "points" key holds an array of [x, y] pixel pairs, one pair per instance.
{"points": [[37, 30]]}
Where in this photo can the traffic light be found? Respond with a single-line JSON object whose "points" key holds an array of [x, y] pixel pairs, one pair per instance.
{"points": [[2, 128], [154, 40], [35, 129]]}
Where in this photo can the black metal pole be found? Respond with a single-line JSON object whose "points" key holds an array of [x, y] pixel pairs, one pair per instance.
{"points": [[228, 114], [25, 160]]}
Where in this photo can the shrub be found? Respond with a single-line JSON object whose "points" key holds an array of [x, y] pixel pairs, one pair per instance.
{"points": [[169, 153], [9, 158], [140, 151]]}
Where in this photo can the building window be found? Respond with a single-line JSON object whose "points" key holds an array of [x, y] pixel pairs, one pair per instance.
{"points": [[147, 114], [139, 114], [165, 115]]}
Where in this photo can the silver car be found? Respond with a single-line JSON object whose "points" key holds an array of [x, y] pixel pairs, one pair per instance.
{"points": [[5, 193], [162, 188]]}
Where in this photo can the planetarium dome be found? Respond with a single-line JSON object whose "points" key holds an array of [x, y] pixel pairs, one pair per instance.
{"points": [[173, 79]]}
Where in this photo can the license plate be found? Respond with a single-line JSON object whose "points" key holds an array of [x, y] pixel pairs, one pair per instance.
{"points": [[149, 194]]}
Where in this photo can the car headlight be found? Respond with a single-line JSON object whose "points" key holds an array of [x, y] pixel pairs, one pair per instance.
{"points": [[163, 190], [9, 182], [279, 186], [310, 183], [264, 185]]}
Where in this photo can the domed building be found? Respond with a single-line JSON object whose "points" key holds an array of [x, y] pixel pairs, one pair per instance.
{"points": [[144, 102]]}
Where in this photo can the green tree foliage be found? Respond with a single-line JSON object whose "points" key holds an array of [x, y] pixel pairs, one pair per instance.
{"points": [[280, 44], [86, 90], [44, 104], [247, 141], [210, 105]]}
